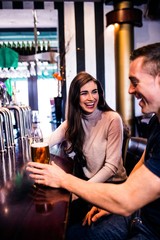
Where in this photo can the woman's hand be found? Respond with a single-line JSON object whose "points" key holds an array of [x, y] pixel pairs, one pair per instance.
{"points": [[49, 175], [93, 215]]}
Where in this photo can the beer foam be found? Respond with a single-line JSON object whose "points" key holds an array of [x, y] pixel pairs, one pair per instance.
{"points": [[39, 144]]}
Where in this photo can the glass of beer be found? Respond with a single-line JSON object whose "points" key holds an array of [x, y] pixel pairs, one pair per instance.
{"points": [[40, 152]]}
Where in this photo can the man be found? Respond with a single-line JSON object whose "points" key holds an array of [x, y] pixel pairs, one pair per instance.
{"points": [[142, 188]]}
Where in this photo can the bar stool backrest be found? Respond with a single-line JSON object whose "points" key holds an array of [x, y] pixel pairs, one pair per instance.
{"points": [[134, 148]]}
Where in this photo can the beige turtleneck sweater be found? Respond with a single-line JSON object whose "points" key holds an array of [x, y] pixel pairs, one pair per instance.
{"points": [[102, 146]]}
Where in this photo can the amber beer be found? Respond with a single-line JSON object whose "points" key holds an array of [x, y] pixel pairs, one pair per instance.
{"points": [[40, 152]]}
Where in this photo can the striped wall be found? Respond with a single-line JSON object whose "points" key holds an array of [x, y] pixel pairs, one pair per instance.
{"points": [[89, 45]]}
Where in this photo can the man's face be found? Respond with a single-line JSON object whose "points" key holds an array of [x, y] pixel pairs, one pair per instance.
{"points": [[144, 87]]}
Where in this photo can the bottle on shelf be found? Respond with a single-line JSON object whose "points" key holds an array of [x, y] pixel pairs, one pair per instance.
{"points": [[28, 48], [39, 47], [33, 50], [44, 47], [14, 46], [18, 48], [9, 45], [4, 45], [48, 46], [23, 48]]}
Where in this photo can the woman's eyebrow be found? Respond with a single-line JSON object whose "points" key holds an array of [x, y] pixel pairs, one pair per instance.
{"points": [[83, 91], [95, 89]]}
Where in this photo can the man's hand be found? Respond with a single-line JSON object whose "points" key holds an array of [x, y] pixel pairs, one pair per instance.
{"points": [[49, 175], [93, 215]]}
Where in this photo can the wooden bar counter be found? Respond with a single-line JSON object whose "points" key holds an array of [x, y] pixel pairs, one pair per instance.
{"points": [[28, 211]]}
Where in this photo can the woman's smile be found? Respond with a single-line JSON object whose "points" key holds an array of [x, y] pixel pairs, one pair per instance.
{"points": [[89, 97]]}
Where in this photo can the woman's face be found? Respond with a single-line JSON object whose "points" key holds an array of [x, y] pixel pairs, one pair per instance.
{"points": [[89, 97]]}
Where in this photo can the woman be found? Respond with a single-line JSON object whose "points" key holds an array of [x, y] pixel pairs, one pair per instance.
{"points": [[93, 131]]}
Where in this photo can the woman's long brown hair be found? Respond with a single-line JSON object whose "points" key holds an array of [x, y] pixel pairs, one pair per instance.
{"points": [[75, 133]]}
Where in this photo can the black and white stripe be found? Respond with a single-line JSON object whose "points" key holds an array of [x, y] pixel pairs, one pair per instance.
{"points": [[84, 30], [26, 4], [86, 35]]}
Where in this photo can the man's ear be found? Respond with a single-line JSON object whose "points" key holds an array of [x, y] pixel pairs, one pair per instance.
{"points": [[158, 78]]}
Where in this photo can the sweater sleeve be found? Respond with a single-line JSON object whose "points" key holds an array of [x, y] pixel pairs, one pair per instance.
{"points": [[113, 164], [57, 136]]}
